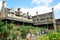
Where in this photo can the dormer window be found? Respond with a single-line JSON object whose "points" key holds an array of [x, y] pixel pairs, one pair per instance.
{"points": [[9, 12], [12, 13], [17, 14]]}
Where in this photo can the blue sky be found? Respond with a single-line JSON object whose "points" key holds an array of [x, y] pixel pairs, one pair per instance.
{"points": [[26, 3], [42, 6], [19, 3]]}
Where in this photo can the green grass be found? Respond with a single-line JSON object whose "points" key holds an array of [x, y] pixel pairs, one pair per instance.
{"points": [[37, 38]]}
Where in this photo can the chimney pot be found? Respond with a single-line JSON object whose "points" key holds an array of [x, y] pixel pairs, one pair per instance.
{"points": [[37, 12], [27, 13], [18, 9], [52, 9]]}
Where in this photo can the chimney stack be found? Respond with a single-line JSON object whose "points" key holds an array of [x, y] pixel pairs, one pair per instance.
{"points": [[3, 5], [27, 14], [54, 22], [3, 9], [18, 9], [52, 9], [36, 12]]}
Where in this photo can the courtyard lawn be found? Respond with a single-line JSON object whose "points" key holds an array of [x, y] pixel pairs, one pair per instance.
{"points": [[50, 36], [42, 37]]}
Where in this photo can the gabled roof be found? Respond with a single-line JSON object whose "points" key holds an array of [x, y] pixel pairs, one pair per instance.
{"points": [[7, 9], [43, 14]]}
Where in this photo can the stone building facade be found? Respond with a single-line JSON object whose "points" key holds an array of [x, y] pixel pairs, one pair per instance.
{"points": [[46, 20]]}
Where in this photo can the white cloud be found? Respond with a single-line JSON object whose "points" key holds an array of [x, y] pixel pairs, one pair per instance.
{"points": [[57, 10], [57, 7], [44, 2], [40, 9], [43, 9], [0, 4]]}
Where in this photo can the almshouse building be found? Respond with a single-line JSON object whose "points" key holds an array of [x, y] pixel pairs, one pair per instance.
{"points": [[46, 20], [16, 17]]}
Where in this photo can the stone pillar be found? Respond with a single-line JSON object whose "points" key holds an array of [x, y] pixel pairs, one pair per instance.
{"points": [[3, 9], [37, 16], [54, 22], [6, 22], [23, 23], [19, 11]]}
